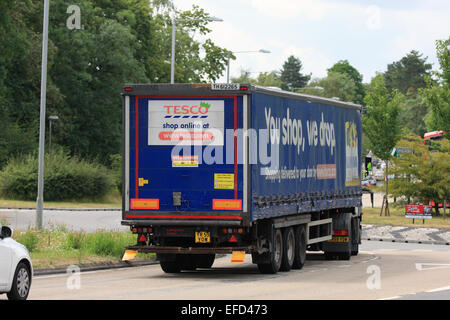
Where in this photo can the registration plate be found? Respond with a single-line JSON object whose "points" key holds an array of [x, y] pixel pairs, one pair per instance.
{"points": [[339, 239], [202, 237]]}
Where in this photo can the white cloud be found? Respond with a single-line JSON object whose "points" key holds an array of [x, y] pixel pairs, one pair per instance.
{"points": [[289, 9], [313, 60]]}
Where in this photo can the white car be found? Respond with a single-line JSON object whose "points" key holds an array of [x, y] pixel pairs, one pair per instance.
{"points": [[16, 270]]}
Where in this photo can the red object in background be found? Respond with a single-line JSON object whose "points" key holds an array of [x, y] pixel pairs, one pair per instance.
{"points": [[440, 205], [418, 209]]}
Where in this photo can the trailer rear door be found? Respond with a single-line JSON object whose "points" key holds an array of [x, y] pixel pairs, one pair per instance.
{"points": [[181, 157]]}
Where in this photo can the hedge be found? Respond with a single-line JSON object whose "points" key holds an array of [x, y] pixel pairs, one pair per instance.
{"points": [[65, 178]]}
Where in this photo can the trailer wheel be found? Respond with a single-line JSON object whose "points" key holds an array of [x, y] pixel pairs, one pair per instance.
{"points": [[288, 249], [275, 255], [356, 226], [300, 247], [346, 255], [206, 261], [188, 262]]}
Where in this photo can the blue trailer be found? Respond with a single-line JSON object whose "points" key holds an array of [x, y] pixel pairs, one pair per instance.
{"points": [[233, 168]]}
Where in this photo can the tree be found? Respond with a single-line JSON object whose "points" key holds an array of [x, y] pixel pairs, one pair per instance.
{"points": [[407, 74], [437, 93], [381, 123], [119, 41], [291, 77], [244, 77], [412, 114], [344, 67], [422, 174], [336, 84], [269, 79]]}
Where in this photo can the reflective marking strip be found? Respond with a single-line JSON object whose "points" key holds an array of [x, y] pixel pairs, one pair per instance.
{"points": [[145, 204], [160, 216], [227, 204]]}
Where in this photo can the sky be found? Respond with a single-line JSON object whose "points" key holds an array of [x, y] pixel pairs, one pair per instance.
{"points": [[369, 34]]}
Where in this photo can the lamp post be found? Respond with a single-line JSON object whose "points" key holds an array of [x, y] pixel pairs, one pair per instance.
{"points": [[229, 54], [174, 28], [40, 191], [50, 118]]}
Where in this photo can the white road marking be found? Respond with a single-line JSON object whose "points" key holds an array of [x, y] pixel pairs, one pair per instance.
{"points": [[439, 289], [390, 298], [422, 266]]}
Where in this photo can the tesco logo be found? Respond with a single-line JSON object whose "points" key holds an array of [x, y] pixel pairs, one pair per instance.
{"points": [[186, 110]]}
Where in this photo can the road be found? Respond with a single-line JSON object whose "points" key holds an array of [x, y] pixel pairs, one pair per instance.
{"points": [[86, 221], [381, 271]]}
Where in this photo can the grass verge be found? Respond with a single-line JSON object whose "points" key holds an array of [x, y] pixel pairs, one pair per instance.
{"points": [[397, 218], [60, 248], [110, 201]]}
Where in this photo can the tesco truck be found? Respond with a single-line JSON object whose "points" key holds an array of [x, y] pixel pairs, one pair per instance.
{"points": [[240, 169]]}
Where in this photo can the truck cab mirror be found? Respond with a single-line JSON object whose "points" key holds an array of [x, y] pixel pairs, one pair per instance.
{"points": [[6, 232]]}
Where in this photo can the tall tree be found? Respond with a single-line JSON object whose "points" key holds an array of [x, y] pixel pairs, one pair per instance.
{"points": [[344, 67], [335, 85], [407, 74], [291, 76], [413, 112], [381, 123], [437, 93]]}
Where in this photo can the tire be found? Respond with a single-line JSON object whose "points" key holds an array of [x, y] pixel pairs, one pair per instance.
{"points": [[330, 255], [288, 249], [170, 266], [275, 255], [21, 283], [206, 261], [357, 228], [348, 253], [188, 262], [300, 247]]}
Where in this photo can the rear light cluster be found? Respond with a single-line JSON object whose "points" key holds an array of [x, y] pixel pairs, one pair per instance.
{"points": [[232, 230], [141, 230], [340, 232]]}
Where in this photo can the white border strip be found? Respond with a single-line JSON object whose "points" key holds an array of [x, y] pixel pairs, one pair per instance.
{"points": [[245, 153]]}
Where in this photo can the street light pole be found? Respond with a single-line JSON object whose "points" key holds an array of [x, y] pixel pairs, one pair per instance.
{"points": [[229, 54], [174, 28], [172, 66], [40, 193]]}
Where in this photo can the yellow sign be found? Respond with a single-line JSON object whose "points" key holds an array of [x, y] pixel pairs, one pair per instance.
{"points": [[142, 182], [224, 181], [185, 161], [202, 237], [339, 239]]}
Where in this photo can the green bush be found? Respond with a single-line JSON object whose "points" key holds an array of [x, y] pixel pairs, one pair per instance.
{"points": [[75, 241], [29, 239], [65, 178], [108, 243]]}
